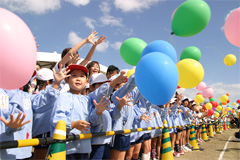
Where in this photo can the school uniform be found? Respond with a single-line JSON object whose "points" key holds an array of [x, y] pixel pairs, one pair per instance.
{"points": [[172, 119], [122, 142], [42, 105], [6, 133], [71, 107], [160, 114], [21, 101], [100, 145]]}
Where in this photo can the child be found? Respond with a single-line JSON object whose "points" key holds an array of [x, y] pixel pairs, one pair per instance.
{"points": [[74, 109], [71, 56], [93, 67], [112, 71], [9, 124], [160, 113], [100, 87], [42, 104]]}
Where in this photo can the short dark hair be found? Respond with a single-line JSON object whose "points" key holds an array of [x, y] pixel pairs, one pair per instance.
{"points": [[39, 65], [112, 68], [65, 51]]}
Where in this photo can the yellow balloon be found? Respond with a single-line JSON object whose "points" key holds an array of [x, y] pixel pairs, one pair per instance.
{"points": [[219, 108], [208, 106], [216, 114], [130, 72], [224, 98], [234, 103], [190, 72], [229, 108], [224, 112], [199, 99], [230, 59]]}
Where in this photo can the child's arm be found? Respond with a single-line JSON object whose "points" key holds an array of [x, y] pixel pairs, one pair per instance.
{"points": [[73, 50], [92, 50], [59, 76], [96, 113], [124, 101], [126, 88], [15, 123]]}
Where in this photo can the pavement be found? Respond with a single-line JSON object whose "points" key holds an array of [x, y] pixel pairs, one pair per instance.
{"points": [[214, 149]]}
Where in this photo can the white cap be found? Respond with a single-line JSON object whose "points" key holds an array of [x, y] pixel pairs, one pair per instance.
{"points": [[44, 74], [184, 98], [172, 100], [98, 78], [193, 103]]}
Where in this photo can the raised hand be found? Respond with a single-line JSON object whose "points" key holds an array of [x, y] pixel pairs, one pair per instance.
{"points": [[60, 75], [145, 117], [100, 40], [120, 79], [74, 59], [101, 106], [15, 123], [91, 37], [124, 101], [180, 111], [81, 125]]}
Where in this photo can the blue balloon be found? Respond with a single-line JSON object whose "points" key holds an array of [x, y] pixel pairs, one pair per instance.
{"points": [[161, 46], [156, 76]]}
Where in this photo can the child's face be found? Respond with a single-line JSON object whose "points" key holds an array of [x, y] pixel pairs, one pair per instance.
{"points": [[94, 69], [185, 103], [109, 75], [77, 81]]}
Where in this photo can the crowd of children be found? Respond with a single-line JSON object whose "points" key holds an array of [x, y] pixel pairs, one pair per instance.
{"points": [[90, 102]]}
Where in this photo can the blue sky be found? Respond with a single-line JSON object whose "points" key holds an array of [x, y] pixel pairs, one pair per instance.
{"points": [[58, 24]]}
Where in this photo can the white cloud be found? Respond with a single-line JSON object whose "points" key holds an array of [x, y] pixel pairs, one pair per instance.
{"points": [[116, 45], [89, 22], [31, 6], [107, 19], [103, 46], [73, 38], [134, 5], [219, 90], [105, 7], [78, 2], [124, 31]]}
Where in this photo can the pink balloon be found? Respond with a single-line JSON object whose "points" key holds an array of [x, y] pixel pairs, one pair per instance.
{"points": [[207, 92], [201, 86], [231, 27], [17, 51]]}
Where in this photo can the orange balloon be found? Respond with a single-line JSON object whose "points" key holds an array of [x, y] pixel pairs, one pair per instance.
{"points": [[224, 103], [227, 94]]}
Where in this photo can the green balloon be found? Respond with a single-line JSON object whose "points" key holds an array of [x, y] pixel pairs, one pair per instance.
{"points": [[131, 50], [220, 103], [191, 52], [211, 99], [190, 18]]}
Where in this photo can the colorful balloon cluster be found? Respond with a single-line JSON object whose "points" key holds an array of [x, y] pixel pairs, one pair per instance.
{"points": [[158, 65]]}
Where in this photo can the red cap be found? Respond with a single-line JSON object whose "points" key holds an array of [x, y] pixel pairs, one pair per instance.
{"points": [[78, 67]]}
